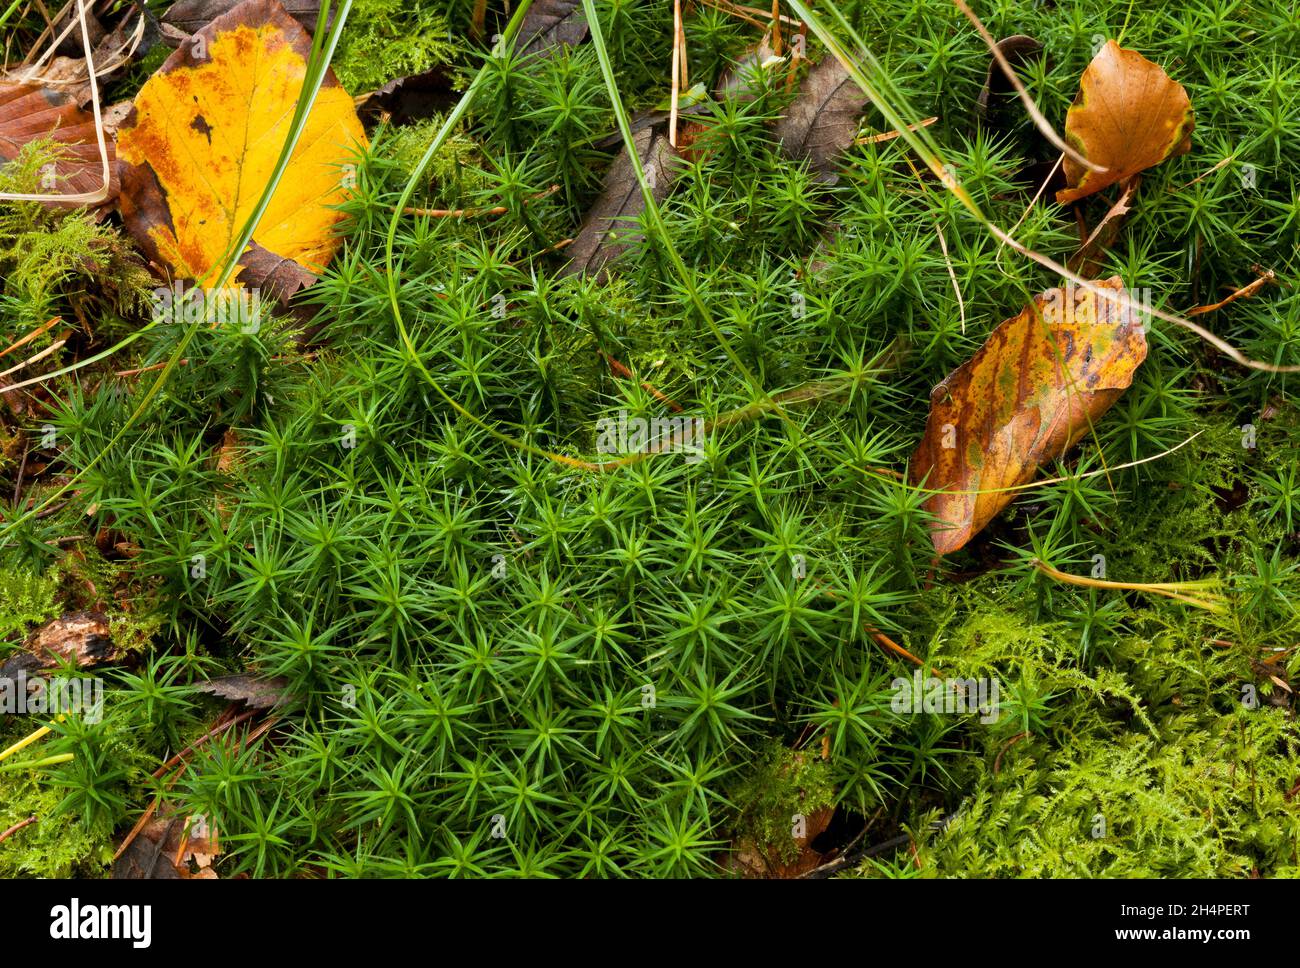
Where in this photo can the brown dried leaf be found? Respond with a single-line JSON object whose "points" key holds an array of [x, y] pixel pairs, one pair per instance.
{"points": [[193, 15], [29, 112], [1023, 399], [1129, 115], [256, 693], [552, 23], [824, 118], [156, 853], [610, 225]]}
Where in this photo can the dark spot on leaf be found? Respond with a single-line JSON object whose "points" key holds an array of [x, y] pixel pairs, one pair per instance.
{"points": [[200, 124]]}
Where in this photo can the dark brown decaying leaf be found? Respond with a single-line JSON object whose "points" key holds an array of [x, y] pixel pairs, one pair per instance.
{"points": [[411, 98], [1030, 392], [189, 16], [80, 638], [552, 23], [73, 43], [280, 278], [146, 858], [256, 693], [29, 113], [610, 226], [824, 118], [1017, 49]]}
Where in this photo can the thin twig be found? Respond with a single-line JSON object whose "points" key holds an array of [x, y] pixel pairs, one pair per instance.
{"points": [[215, 731], [997, 762], [475, 212], [676, 69], [872, 139], [961, 303], [43, 328], [1245, 292], [24, 823], [622, 371]]}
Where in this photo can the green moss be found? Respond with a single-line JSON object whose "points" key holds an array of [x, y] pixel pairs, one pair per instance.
{"points": [[26, 599], [1206, 798], [44, 251], [784, 786], [58, 844], [388, 39], [473, 627]]}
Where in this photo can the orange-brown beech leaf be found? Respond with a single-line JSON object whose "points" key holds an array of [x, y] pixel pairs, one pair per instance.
{"points": [[204, 140], [1029, 393], [29, 112], [1129, 115]]}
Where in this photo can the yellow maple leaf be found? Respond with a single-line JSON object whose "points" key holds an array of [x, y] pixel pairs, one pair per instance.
{"points": [[203, 141]]}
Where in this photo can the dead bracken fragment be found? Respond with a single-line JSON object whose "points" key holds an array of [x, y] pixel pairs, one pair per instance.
{"points": [[256, 693], [80, 638]]}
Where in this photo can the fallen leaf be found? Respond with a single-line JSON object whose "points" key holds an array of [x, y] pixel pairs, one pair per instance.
{"points": [[256, 693], [552, 23], [204, 140], [190, 16], [824, 118], [29, 112], [1129, 115], [610, 225], [1018, 50], [411, 98], [170, 847], [1027, 395]]}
